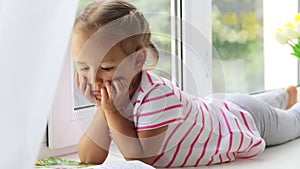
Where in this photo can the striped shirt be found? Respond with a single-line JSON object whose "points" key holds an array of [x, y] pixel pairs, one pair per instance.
{"points": [[201, 131]]}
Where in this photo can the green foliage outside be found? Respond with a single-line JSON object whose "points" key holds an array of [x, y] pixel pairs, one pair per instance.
{"points": [[157, 12], [237, 45]]}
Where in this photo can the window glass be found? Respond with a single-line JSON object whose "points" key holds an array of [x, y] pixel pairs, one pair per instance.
{"points": [[238, 53], [79, 99], [157, 12]]}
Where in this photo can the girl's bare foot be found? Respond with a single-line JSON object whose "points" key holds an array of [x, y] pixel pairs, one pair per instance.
{"points": [[292, 91]]}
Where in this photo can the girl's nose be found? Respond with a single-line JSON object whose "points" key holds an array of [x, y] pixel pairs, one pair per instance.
{"points": [[98, 82]]}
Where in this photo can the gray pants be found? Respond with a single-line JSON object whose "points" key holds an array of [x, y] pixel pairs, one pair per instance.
{"points": [[275, 125]]}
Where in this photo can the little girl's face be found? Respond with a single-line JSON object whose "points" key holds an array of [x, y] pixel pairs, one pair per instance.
{"points": [[115, 63]]}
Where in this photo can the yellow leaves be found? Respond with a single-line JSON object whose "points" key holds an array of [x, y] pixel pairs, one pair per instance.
{"points": [[290, 35], [249, 18], [297, 17], [229, 18], [246, 19], [235, 27], [290, 32], [253, 31], [290, 25]]}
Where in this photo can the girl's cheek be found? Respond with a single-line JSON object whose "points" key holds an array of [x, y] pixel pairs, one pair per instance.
{"points": [[108, 81]]}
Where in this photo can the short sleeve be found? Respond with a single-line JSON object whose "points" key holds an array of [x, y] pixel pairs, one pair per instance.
{"points": [[160, 107]]}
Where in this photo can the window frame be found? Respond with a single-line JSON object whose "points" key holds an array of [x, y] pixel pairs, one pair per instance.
{"points": [[196, 49]]}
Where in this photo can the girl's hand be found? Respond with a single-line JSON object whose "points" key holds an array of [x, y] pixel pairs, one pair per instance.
{"points": [[84, 88], [115, 96]]}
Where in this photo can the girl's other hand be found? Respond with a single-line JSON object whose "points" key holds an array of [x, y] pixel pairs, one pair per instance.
{"points": [[115, 96], [85, 88]]}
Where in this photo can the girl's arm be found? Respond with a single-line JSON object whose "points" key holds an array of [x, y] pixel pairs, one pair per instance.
{"points": [[139, 145], [94, 144]]}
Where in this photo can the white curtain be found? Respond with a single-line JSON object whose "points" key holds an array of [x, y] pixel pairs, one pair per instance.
{"points": [[34, 35]]}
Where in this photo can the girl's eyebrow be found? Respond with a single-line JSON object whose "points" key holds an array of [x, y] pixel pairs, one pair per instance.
{"points": [[81, 63]]}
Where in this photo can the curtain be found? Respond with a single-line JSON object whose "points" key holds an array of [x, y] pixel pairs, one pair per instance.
{"points": [[34, 37]]}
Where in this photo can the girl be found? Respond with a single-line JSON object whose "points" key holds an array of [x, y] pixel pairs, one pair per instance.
{"points": [[149, 118]]}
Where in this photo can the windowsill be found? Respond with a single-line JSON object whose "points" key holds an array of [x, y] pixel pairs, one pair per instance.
{"points": [[282, 156]]}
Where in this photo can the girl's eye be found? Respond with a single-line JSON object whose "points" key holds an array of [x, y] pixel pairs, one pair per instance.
{"points": [[84, 69], [107, 68]]}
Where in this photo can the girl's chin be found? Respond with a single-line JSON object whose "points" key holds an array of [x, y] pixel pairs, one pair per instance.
{"points": [[98, 97], [98, 101]]}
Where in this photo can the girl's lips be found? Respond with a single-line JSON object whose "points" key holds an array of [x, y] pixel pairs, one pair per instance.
{"points": [[96, 92]]}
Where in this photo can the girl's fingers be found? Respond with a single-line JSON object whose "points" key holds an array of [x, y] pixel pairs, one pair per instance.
{"points": [[85, 88], [82, 86], [108, 89], [120, 85], [116, 84], [77, 84], [104, 95], [87, 93]]}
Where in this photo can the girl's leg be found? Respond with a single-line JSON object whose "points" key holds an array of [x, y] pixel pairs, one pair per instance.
{"points": [[281, 98], [276, 126]]}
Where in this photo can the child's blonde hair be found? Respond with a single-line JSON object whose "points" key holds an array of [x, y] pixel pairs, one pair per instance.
{"points": [[102, 12]]}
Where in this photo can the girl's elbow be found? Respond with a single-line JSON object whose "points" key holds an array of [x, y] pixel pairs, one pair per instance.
{"points": [[148, 160], [90, 154], [88, 158]]}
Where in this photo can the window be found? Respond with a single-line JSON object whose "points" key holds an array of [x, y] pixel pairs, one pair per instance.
{"points": [[246, 56], [196, 47], [189, 40]]}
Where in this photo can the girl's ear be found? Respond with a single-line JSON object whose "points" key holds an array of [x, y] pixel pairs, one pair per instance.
{"points": [[140, 58]]}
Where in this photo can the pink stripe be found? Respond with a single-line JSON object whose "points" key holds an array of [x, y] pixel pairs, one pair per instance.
{"points": [[246, 123], [184, 137], [205, 144], [205, 105], [165, 145], [141, 89], [257, 144], [180, 95], [157, 111], [245, 157], [153, 89], [226, 105], [195, 140], [203, 99], [159, 97], [164, 83], [220, 157], [242, 135], [231, 134], [249, 146], [159, 124], [138, 101], [169, 138], [218, 145], [149, 78]]}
